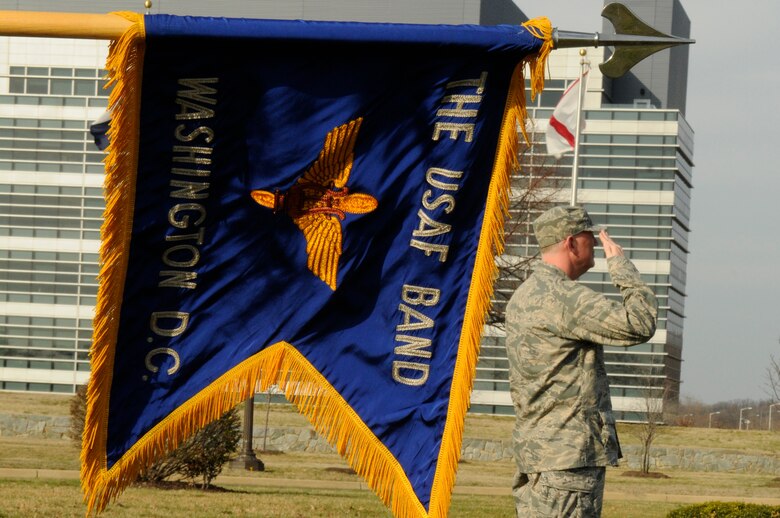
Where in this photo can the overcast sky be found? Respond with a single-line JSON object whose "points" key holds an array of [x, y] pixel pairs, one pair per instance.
{"points": [[732, 310]]}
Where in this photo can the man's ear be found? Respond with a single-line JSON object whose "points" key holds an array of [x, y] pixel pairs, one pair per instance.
{"points": [[569, 244]]}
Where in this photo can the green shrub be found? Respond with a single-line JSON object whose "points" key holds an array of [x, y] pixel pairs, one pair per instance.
{"points": [[202, 456], [726, 510], [78, 414], [205, 453]]}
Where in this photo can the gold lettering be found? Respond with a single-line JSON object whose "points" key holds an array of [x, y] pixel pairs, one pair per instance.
{"points": [[479, 83], [184, 221], [198, 238], [200, 130], [192, 111], [198, 92], [440, 200], [194, 256], [429, 177], [190, 172], [190, 154], [417, 295], [415, 346], [431, 248], [413, 319], [189, 190], [460, 101], [454, 129], [157, 316], [177, 279], [434, 227], [166, 351], [410, 366]]}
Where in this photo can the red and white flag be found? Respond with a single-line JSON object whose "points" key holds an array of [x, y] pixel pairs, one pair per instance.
{"points": [[562, 126]]}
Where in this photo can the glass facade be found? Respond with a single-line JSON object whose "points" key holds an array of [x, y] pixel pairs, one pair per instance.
{"points": [[51, 210]]}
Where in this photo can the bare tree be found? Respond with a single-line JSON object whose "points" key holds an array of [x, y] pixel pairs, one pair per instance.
{"points": [[653, 398], [533, 190], [773, 378]]}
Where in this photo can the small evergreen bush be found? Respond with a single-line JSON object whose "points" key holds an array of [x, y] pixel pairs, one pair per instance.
{"points": [[726, 510], [202, 456]]}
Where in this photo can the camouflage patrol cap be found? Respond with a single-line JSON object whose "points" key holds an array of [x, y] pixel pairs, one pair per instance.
{"points": [[558, 223]]}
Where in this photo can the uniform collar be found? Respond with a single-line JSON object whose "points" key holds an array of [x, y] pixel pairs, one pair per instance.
{"points": [[549, 269]]}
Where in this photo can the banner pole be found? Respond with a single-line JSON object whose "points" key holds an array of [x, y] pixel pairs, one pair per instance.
{"points": [[576, 162], [62, 25]]}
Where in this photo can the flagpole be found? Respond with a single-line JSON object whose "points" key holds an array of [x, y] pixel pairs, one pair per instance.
{"points": [[576, 162], [62, 25]]}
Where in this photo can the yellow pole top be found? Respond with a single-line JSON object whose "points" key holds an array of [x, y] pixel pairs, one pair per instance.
{"points": [[62, 25]]}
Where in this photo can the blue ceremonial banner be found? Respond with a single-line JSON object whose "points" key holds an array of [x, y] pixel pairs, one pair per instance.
{"points": [[312, 205]]}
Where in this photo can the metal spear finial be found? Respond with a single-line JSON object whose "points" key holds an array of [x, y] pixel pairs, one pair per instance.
{"points": [[634, 40]]}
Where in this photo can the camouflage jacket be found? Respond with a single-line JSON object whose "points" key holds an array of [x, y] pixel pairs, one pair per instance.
{"points": [[556, 329]]}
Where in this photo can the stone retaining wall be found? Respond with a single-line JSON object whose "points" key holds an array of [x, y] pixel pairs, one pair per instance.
{"points": [[49, 427], [304, 439]]}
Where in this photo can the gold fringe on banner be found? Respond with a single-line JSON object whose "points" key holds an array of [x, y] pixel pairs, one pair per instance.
{"points": [[280, 364], [491, 244], [124, 66]]}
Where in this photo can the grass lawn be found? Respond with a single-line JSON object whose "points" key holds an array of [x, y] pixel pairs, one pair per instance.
{"points": [[22, 499], [482, 488], [247, 496]]}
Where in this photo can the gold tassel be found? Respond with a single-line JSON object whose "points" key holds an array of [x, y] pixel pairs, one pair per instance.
{"points": [[542, 29]]}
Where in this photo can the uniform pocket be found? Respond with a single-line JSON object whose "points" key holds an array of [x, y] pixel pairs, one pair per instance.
{"points": [[583, 480]]}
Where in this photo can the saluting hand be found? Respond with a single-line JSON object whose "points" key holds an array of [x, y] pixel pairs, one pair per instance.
{"points": [[611, 249]]}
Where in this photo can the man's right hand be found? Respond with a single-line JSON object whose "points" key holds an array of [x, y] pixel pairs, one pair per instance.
{"points": [[611, 249]]}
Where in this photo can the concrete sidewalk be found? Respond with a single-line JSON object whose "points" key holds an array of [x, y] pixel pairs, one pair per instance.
{"points": [[258, 480]]}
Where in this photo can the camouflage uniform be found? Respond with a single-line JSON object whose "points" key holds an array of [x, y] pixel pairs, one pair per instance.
{"points": [[556, 329]]}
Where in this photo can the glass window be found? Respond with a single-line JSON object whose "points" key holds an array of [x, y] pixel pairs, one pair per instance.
{"points": [[598, 115], [86, 72], [597, 139], [652, 116], [626, 116], [37, 71], [550, 98], [37, 85], [597, 150], [84, 87], [61, 72], [61, 87], [16, 85], [651, 139], [543, 113], [593, 161]]}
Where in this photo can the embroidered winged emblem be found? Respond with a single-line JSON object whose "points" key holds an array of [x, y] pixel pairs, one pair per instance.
{"points": [[320, 200]]}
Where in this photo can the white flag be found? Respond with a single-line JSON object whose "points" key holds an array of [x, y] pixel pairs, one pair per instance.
{"points": [[561, 128]]}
